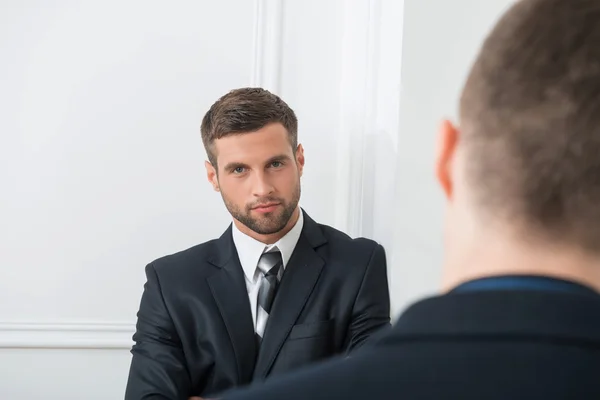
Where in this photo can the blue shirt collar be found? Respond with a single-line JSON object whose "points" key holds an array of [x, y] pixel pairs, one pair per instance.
{"points": [[525, 282]]}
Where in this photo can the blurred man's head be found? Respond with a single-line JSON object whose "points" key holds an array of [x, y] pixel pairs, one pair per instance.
{"points": [[521, 172], [251, 139]]}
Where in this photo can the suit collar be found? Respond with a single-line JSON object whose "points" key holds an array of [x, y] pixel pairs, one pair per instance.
{"points": [[532, 314], [297, 283], [312, 232], [228, 288]]}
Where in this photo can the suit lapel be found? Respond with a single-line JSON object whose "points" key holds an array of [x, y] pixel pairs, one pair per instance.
{"points": [[228, 288], [300, 277]]}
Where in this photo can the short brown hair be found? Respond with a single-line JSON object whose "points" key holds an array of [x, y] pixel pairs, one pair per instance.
{"points": [[246, 110], [530, 117]]}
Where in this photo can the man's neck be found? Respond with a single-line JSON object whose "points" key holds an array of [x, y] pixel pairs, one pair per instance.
{"points": [[501, 256]]}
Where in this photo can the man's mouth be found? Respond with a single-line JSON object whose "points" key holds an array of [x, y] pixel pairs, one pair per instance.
{"points": [[267, 207]]}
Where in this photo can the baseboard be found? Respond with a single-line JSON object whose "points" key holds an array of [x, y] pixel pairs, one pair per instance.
{"points": [[66, 335]]}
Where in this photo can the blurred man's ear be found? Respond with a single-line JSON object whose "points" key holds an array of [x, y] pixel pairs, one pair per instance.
{"points": [[211, 174], [447, 141], [300, 158]]}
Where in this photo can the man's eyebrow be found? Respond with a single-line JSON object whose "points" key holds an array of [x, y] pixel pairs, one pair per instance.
{"points": [[280, 157], [234, 165]]}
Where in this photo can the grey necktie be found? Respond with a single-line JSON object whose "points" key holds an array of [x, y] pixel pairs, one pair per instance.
{"points": [[270, 265]]}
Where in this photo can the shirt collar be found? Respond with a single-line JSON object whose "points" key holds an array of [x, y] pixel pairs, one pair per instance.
{"points": [[249, 249], [524, 282]]}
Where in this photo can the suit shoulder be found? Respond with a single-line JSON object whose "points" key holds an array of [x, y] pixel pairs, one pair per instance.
{"points": [[339, 238], [352, 257], [193, 256]]}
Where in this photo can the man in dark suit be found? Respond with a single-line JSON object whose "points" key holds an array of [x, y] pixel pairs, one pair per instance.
{"points": [[275, 292], [520, 313]]}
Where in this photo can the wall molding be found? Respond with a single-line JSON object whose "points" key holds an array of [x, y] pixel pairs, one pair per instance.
{"points": [[268, 30], [66, 335]]}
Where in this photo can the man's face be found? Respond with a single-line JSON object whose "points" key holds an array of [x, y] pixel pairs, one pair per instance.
{"points": [[258, 177]]}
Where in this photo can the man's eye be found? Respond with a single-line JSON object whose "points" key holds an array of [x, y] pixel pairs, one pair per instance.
{"points": [[276, 164], [238, 170]]}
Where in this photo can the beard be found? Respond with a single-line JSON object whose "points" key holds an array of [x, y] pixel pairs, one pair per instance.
{"points": [[267, 223]]}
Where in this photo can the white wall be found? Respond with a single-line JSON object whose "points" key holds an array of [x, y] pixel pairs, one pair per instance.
{"points": [[102, 163]]}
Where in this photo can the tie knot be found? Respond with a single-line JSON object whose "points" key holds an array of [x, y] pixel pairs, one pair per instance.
{"points": [[269, 263]]}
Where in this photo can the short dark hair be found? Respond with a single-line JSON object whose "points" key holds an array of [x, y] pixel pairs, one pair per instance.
{"points": [[530, 118], [246, 110]]}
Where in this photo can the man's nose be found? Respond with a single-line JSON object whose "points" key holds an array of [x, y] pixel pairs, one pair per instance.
{"points": [[262, 185]]}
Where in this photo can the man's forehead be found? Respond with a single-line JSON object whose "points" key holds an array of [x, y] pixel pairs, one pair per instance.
{"points": [[251, 146], [251, 158], [271, 134]]}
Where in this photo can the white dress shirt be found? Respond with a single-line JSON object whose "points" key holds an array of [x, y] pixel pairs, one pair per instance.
{"points": [[249, 251]]}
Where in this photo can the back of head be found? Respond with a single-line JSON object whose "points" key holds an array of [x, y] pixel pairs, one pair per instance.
{"points": [[530, 121]]}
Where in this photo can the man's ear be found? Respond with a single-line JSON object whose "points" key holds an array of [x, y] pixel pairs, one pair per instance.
{"points": [[300, 158], [211, 174], [447, 141]]}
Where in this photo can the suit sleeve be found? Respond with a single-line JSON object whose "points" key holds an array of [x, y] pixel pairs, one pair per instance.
{"points": [[158, 370], [371, 311]]}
